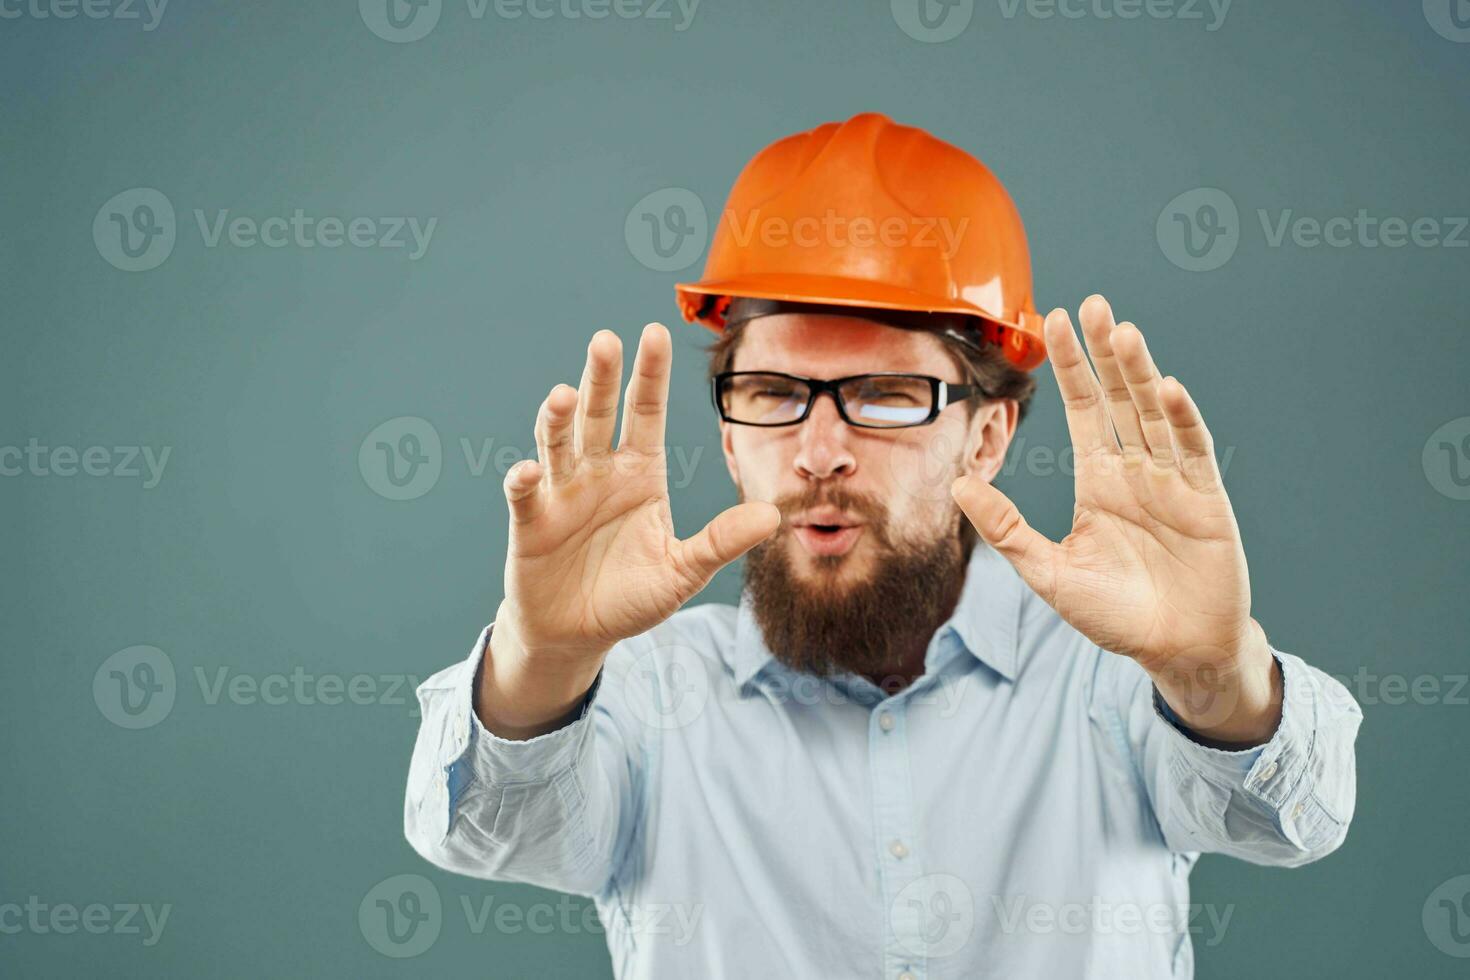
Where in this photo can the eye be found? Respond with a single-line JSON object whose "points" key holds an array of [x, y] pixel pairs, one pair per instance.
{"points": [[893, 391]]}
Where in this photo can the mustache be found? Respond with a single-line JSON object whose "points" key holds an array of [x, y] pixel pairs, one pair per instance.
{"points": [[869, 507]]}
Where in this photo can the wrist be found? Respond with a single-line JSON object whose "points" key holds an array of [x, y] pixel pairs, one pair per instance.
{"points": [[519, 695], [1232, 703]]}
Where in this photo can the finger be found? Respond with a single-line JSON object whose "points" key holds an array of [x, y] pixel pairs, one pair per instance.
{"points": [[1087, 419], [727, 537], [554, 433], [1097, 327], [523, 491], [646, 403], [1032, 555], [1143, 384], [1192, 437], [597, 396]]}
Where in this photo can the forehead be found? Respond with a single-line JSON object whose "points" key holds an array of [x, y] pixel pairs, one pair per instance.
{"points": [[826, 346]]}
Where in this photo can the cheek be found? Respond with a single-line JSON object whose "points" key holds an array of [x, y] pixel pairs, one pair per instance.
{"points": [[921, 518], [914, 473], [759, 460]]}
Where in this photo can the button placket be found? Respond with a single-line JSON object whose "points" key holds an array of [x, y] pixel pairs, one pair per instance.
{"points": [[894, 830]]}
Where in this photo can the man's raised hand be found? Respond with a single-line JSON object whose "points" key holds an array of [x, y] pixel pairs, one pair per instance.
{"points": [[1153, 568], [593, 558]]}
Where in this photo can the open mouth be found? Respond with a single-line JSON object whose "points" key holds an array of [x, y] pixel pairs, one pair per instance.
{"points": [[825, 539]]}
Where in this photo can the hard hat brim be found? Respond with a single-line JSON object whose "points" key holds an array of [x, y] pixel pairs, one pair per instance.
{"points": [[1026, 349]]}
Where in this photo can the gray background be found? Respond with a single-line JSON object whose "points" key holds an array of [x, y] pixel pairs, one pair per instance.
{"points": [[265, 549]]}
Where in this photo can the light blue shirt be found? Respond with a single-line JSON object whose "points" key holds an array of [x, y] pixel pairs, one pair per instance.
{"points": [[1025, 809]]}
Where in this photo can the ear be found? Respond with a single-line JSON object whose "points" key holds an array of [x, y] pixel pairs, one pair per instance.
{"points": [[991, 430], [728, 448]]}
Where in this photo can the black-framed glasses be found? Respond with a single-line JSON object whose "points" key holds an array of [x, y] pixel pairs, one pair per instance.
{"points": [[887, 400]]}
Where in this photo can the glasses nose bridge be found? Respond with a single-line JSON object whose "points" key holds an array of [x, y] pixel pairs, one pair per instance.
{"points": [[826, 387]]}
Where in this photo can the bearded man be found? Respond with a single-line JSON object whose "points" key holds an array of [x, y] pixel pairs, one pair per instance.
{"points": [[912, 750]]}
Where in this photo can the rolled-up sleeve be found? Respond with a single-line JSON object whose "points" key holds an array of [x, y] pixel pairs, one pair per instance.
{"points": [[1285, 803], [550, 811]]}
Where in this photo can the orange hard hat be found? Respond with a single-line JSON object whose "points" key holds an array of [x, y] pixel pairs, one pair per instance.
{"points": [[869, 213]]}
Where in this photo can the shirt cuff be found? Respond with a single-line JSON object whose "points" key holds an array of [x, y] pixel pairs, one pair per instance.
{"points": [[1269, 772], [500, 761], [1229, 764]]}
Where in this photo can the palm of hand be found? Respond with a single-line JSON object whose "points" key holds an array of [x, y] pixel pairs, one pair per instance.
{"points": [[1153, 568], [593, 557], [603, 564]]}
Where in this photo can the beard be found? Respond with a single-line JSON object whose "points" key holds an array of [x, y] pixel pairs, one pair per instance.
{"points": [[822, 625]]}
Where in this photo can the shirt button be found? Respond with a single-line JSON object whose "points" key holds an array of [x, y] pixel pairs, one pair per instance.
{"points": [[898, 850], [906, 975], [1300, 809], [885, 721], [1268, 772]]}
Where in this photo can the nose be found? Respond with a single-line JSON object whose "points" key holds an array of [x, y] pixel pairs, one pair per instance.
{"points": [[823, 449]]}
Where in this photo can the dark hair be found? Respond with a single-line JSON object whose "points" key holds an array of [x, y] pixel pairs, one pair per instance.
{"points": [[985, 366]]}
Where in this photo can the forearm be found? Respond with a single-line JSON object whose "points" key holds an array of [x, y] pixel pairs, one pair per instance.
{"points": [[1285, 802], [519, 696], [481, 805]]}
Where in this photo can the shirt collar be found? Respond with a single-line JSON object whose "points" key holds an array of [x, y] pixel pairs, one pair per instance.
{"points": [[988, 615], [986, 620]]}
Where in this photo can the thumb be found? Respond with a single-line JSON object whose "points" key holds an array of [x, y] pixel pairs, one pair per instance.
{"points": [[1003, 528], [727, 537]]}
